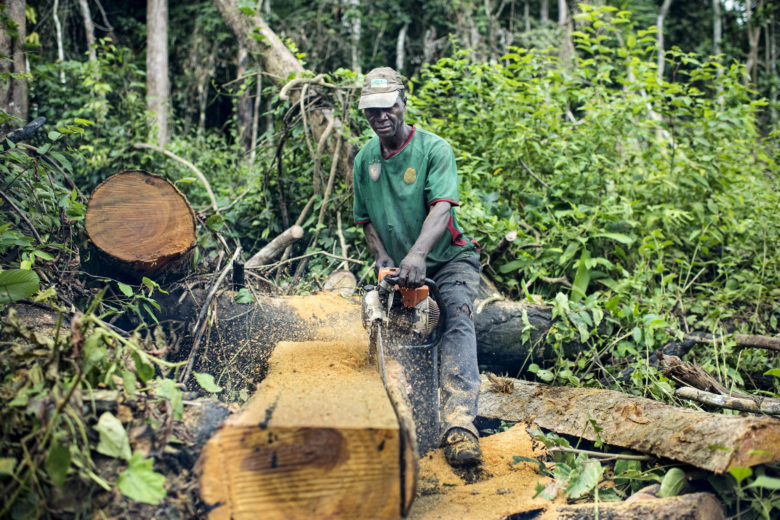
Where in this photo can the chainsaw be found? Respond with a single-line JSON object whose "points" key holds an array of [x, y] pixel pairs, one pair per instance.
{"points": [[405, 325]]}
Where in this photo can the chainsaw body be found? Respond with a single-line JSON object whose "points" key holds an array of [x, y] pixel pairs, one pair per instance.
{"points": [[405, 325]]}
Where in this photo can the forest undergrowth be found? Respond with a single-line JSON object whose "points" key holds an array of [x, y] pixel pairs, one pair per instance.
{"points": [[646, 212]]}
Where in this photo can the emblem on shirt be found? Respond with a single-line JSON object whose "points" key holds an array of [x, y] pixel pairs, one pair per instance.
{"points": [[374, 170], [410, 176]]}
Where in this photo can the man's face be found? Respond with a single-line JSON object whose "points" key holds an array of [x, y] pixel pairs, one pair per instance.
{"points": [[387, 122]]}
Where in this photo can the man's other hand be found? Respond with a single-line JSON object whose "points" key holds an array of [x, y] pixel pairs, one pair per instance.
{"points": [[411, 272], [384, 261]]}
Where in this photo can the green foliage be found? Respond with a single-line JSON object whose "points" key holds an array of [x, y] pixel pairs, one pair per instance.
{"points": [[652, 202]]}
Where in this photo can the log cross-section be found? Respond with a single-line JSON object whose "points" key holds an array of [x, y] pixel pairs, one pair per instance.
{"points": [[319, 439], [141, 223]]}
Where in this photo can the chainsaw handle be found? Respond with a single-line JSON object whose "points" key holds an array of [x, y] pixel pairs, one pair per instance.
{"points": [[393, 280]]}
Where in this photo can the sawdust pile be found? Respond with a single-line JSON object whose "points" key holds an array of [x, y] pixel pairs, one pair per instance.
{"points": [[495, 490], [332, 316]]}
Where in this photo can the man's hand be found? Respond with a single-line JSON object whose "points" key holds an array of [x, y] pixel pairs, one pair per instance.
{"points": [[411, 272], [384, 261]]}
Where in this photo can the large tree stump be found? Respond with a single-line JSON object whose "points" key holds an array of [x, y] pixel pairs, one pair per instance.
{"points": [[141, 225], [319, 439], [709, 441]]}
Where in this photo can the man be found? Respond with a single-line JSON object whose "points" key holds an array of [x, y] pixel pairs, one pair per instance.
{"points": [[406, 186]]}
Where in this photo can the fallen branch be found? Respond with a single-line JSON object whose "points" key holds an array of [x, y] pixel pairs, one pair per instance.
{"points": [[639, 424], [757, 405], [274, 247], [688, 374], [186, 163], [742, 340], [601, 455], [694, 506]]}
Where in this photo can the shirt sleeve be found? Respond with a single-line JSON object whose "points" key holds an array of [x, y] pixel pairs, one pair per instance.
{"points": [[359, 211], [442, 180]]}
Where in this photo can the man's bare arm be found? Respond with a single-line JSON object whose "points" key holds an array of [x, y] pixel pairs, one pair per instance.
{"points": [[412, 269], [377, 247]]}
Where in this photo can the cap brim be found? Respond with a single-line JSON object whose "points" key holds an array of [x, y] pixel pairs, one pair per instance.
{"points": [[382, 100]]}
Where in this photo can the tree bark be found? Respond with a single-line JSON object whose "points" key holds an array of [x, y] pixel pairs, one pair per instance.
{"points": [[695, 506], [89, 29], [243, 102], [58, 37], [353, 24], [754, 34], [544, 13], [761, 405], [319, 439], [157, 82], [13, 92], [275, 247], [280, 64], [639, 424], [660, 39], [141, 225], [400, 48]]}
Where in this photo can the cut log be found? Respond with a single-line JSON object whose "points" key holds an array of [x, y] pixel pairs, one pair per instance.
{"points": [[705, 440], [695, 506], [319, 439], [275, 247], [242, 336], [141, 225], [500, 326]]}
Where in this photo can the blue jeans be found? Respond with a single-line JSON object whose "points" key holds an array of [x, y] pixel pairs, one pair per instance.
{"points": [[459, 381]]}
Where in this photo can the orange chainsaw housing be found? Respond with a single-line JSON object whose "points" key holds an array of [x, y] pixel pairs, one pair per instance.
{"points": [[409, 297]]}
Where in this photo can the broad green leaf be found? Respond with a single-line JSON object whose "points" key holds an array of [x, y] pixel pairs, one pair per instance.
{"points": [[214, 222], [7, 466], [113, 437], [17, 284], [618, 237], [740, 473], [128, 382], [672, 483], [140, 482], [94, 351], [773, 372], [167, 389], [587, 479], [766, 482], [243, 296], [126, 289], [206, 381], [57, 463], [143, 368], [582, 279]]}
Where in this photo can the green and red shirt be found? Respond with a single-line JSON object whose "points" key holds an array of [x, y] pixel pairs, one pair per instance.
{"points": [[395, 193]]}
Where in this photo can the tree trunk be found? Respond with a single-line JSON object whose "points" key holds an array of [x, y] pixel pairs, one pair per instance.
{"points": [[243, 102], [639, 424], [157, 83], [660, 39], [89, 29], [58, 37], [717, 29], [754, 34], [695, 506], [13, 91], [400, 48], [353, 25], [544, 14], [279, 63], [319, 439], [141, 225]]}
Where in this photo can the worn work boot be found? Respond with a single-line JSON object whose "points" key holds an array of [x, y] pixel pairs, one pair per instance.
{"points": [[461, 448]]}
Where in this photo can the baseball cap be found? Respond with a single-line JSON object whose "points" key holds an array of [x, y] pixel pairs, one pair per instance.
{"points": [[380, 88]]}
